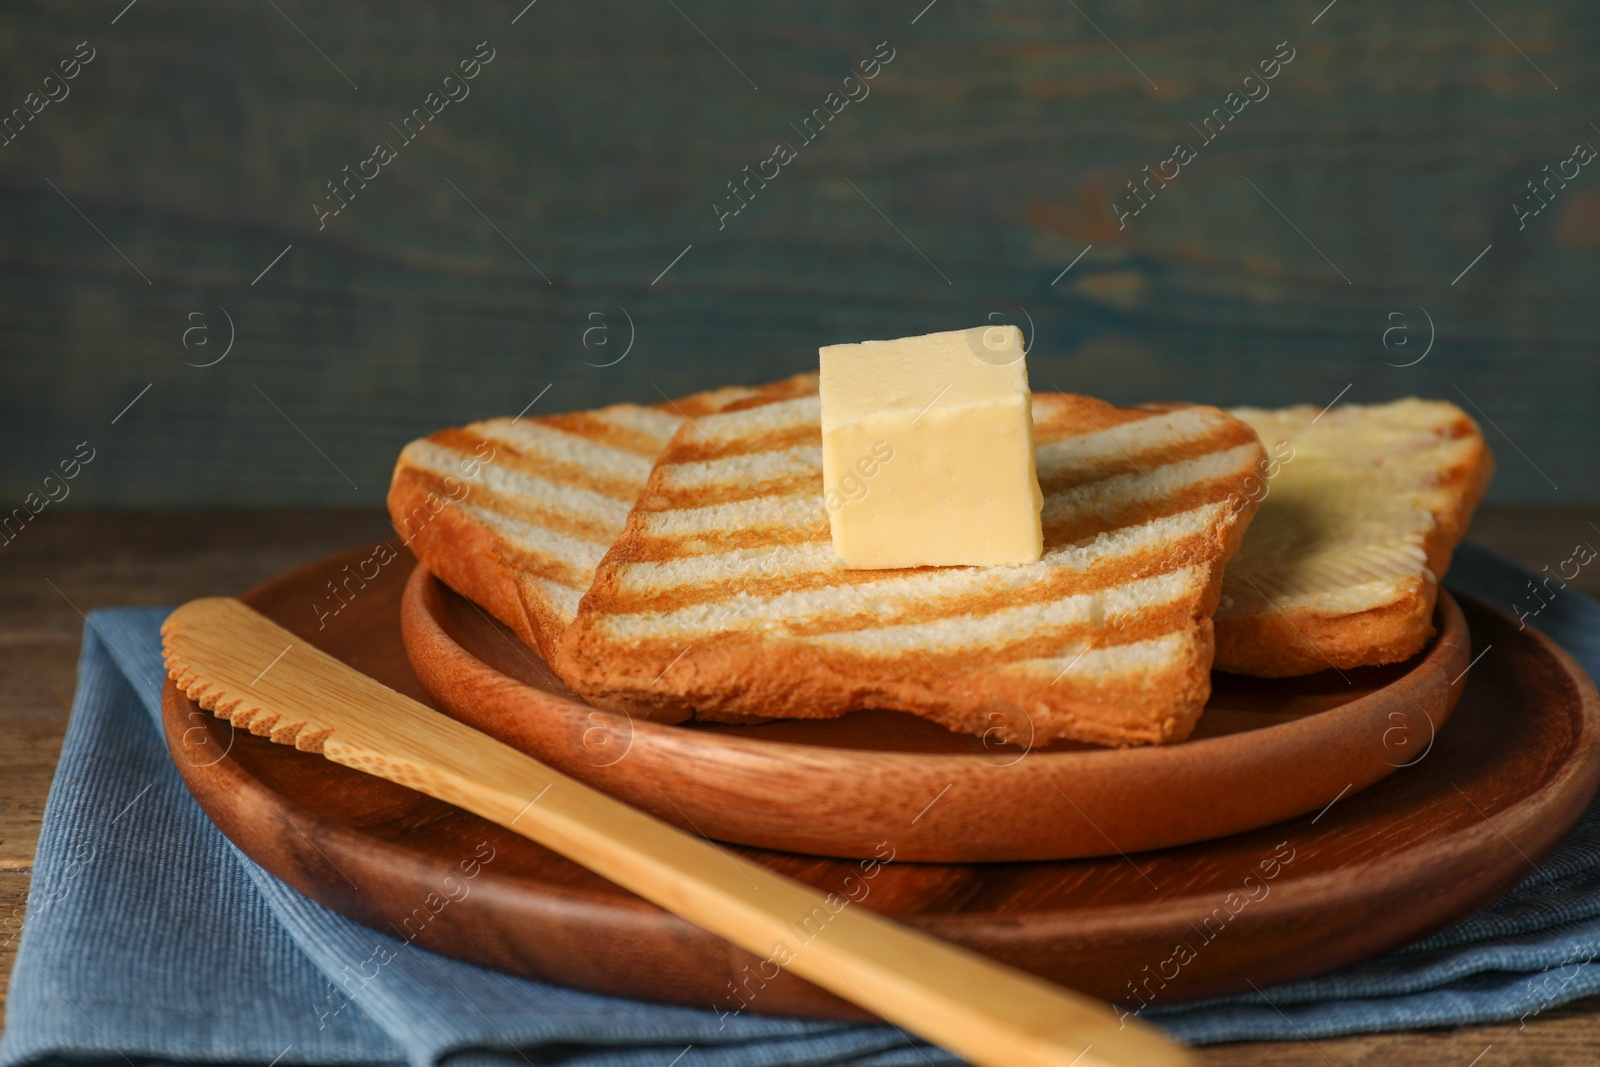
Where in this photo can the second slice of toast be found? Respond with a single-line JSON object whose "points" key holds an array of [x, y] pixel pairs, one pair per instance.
{"points": [[723, 598], [1364, 506], [515, 513]]}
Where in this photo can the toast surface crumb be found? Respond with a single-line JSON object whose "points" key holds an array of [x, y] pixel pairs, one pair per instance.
{"points": [[1341, 567]]}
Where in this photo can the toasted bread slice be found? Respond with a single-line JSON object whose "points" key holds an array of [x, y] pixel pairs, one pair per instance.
{"points": [[723, 598], [514, 514], [1342, 564]]}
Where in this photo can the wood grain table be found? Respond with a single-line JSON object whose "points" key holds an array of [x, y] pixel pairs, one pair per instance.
{"points": [[69, 563]]}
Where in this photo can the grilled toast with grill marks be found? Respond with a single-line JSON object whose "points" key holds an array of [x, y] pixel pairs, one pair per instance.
{"points": [[1341, 567], [514, 514], [723, 598]]}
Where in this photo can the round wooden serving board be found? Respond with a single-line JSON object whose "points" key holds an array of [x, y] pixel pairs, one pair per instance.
{"points": [[1439, 838], [1264, 751]]}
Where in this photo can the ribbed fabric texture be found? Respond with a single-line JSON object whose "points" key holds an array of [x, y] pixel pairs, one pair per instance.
{"points": [[148, 937]]}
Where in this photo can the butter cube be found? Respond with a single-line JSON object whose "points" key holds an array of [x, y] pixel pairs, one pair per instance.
{"points": [[927, 451]]}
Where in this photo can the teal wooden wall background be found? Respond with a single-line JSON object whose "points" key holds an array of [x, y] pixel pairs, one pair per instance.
{"points": [[1393, 149]]}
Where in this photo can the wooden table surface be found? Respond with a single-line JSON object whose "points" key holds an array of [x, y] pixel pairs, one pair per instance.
{"points": [[69, 563]]}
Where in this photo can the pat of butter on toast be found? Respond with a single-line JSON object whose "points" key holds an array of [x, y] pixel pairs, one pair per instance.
{"points": [[927, 450]]}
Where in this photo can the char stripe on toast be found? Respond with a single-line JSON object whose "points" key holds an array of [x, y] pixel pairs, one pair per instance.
{"points": [[723, 599], [515, 514], [1342, 565]]}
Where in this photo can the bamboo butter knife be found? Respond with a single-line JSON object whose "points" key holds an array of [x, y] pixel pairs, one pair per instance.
{"points": [[238, 663]]}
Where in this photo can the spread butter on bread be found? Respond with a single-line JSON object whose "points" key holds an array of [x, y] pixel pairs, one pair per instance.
{"points": [[1341, 567]]}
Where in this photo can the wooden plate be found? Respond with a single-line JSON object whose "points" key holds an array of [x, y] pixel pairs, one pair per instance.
{"points": [[1264, 751], [1435, 841]]}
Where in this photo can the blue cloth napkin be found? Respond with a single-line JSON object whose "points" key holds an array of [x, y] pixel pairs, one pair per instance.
{"points": [[148, 937]]}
